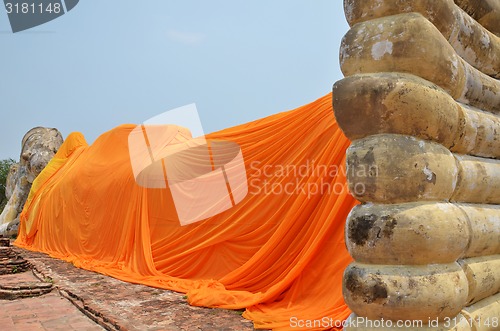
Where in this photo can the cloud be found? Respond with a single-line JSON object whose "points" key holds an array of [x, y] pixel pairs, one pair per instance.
{"points": [[187, 38]]}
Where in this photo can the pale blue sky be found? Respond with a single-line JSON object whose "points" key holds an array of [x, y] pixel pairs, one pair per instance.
{"points": [[111, 62]]}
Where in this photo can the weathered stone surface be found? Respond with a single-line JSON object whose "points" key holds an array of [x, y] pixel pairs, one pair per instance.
{"points": [[483, 275], [389, 168], [475, 44], [11, 182], [457, 323], [485, 314], [38, 147], [409, 43], [486, 12], [118, 305], [479, 180], [4, 242], [422, 106], [485, 229], [369, 104], [10, 262], [411, 233], [422, 232], [405, 292], [24, 290]]}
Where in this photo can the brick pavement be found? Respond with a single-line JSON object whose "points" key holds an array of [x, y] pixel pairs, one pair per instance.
{"points": [[48, 312], [117, 305], [28, 311]]}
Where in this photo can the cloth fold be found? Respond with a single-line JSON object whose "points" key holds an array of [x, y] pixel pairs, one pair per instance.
{"points": [[279, 253]]}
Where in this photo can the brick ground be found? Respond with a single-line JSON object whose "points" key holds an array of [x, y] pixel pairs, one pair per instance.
{"points": [[48, 312], [118, 305]]}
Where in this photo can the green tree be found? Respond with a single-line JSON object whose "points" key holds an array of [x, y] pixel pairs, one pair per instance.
{"points": [[4, 172]]}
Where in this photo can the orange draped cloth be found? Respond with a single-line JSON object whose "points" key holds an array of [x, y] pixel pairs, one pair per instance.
{"points": [[280, 254]]}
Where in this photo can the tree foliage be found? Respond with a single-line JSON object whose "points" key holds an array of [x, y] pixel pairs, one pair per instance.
{"points": [[4, 172]]}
